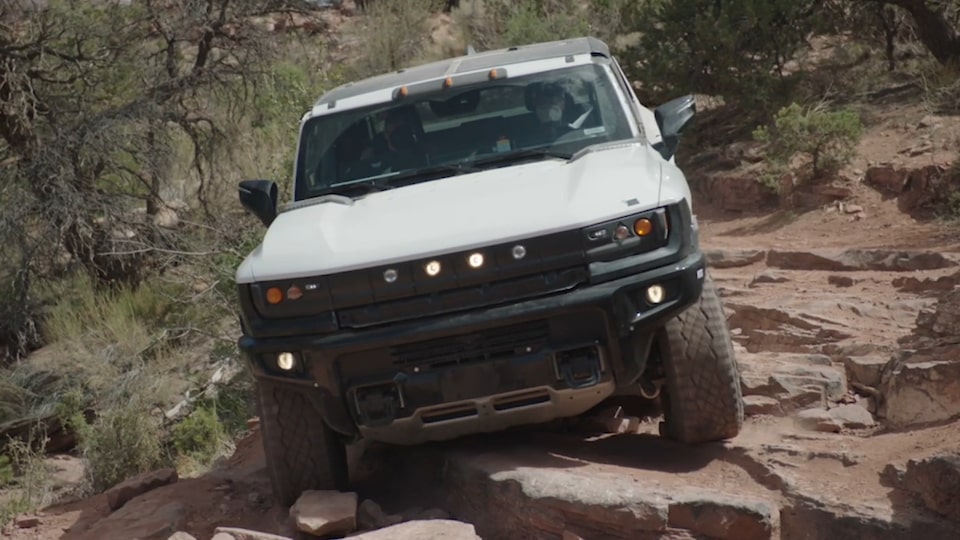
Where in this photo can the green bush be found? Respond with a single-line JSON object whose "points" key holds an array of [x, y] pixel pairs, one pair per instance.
{"points": [[827, 139], [199, 435], [122, 442]]}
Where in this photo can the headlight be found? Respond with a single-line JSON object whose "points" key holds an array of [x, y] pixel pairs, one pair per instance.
{"points": [[637, 233]]}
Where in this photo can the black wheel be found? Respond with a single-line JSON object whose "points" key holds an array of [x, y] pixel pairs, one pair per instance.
{"points": [[302, 452], [702, 399]]}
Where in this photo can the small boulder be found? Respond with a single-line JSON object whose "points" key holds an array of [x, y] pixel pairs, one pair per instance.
{"points": [[27, 522], [437, 529], [324, 513], [768, 276], [180, 535], [840, 281], [934, 481], [234, 533], [121, 493], [852, 416], [818, 420]]}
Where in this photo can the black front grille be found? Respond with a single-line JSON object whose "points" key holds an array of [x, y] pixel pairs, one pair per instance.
{"points": [[482, 346], [461, 299]]}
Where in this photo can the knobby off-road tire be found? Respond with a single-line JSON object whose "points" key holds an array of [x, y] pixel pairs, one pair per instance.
{"points": [[302, 452], [702, 399]]}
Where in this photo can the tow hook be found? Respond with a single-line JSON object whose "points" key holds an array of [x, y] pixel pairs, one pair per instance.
{"points": [[378, 405], [649, 389], [579, 367]]}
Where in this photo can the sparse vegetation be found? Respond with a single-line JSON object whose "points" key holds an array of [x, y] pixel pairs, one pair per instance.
{"points": [[827, 139]]}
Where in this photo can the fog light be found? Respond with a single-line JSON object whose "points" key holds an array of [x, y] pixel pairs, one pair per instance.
{"points": [[655, 294], [286, 361], [432, 268], [475, 260]]}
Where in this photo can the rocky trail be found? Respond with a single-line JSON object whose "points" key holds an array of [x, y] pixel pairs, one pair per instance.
{"points": [[846, 329]]}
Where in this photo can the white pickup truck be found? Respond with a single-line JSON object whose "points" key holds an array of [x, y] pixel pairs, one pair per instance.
{"points": [[488, 241]]}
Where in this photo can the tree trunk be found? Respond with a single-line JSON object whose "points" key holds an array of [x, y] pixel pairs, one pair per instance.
{"points": [[934, 30]]}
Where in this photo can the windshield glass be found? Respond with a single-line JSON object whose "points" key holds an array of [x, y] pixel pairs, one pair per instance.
{"points": [[559, 112]]}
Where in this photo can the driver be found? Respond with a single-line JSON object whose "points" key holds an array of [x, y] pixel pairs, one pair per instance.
{"points": [[550, 103], [402, 138]]}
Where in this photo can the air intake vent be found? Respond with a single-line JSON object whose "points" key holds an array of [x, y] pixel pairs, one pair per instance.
{"points": [[478, 347]]}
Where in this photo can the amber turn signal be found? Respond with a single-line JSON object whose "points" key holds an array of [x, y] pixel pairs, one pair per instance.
{"points": [[642, 227], [274, 295]]}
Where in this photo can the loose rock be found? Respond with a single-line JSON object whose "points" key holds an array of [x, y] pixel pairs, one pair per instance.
{"points": [[865, 370], [323, 513], [141, 521], [244, 534], [437, 529], [180, 535], [818, 420], [840, 281], [935, 480], [768, 276], [120, 494], [853, 416], [27, 522], [921, 387], [757, 405], [733, 258]]}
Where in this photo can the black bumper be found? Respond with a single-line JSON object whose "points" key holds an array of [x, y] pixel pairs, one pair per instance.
{"points": [[594, 333]]}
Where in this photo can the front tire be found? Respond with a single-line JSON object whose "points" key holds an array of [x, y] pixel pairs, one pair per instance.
{"points": [[302, 452], [703, 401]]}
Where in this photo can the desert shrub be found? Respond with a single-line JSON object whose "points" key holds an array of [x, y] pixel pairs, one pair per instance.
{"points": [[199, 435], [26, 475], [124, 440], [826, 138], [490, 24], [391, 34]]}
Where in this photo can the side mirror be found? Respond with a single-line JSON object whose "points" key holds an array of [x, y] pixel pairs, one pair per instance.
{"points": [[260, 198], [673, 117]]}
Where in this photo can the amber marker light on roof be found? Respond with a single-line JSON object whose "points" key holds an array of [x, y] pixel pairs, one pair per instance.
{"points": [[448, 82], [274, 295]]}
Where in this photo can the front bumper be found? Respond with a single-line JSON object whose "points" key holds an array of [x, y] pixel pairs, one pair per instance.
{"points": [[531, 361]]}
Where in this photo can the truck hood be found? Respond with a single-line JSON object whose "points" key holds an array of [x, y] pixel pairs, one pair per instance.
{"points": [[457, 213]]}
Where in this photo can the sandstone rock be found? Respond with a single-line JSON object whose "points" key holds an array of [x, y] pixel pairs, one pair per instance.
{"points": [[818, 420], [737, 192], [852, 416], [768, 276], [840, 281], [754, 405], [859, 260], [811, 517], [935, 480], [852, 208], [944, 320], [224, 536], [437, 529], [886, 179], [928, 191], [180, 535], [865, 370], [917, 286], [733, 258], [245, 534], [490, 489], [120, 494], [27, 522], [781, 330], [723, 517], [921, 387], [371, 516], [323, 513], [141, 521], [431, 513], [166, 218], [796, 381]]}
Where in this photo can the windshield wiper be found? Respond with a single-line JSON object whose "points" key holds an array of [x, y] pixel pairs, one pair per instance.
{"points": [[425, 173], [353, 190], [521, 155]]}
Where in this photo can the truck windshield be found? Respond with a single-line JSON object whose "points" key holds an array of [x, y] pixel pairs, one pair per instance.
{"points": [[560, 112]]}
